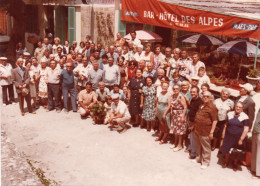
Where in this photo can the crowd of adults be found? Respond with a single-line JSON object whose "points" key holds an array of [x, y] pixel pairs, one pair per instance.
{"points": [[160, 91]]}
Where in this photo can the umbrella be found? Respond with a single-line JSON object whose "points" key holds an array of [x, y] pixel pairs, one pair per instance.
{"points": [[145, 36], [241, 47], [201, 39]]}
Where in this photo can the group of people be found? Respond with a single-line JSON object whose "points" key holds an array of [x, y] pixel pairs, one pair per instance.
{"points": [[159, 91]]}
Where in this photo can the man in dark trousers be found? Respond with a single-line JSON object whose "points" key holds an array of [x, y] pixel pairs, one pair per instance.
{"points": [[53, 84], [67, 79], [195, 102], [21, 80]]}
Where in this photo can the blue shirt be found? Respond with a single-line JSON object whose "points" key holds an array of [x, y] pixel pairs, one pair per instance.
{"points": [[153, 73], [67, 79], [115, 56], [21, 71]]}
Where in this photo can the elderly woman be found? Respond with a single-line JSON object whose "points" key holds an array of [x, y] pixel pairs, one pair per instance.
{"points": [[148, 104], [162, 104], [135, 86], [138, 55], [234, 133], [42, 84], [56, 45], [32, 84], [205, 87], [177, 105], [224, 105]]}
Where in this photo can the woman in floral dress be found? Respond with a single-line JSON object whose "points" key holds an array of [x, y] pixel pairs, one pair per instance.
{"points": [[178, 109], [42, 84], [148, 103]]}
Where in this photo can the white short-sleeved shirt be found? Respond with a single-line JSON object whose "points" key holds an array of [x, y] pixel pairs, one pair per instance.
{"points": [[121, 108], [7, 72], [223, 108]]}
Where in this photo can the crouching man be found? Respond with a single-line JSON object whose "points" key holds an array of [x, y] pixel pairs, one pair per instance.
{"points": [[120, 114], [87, 98]]}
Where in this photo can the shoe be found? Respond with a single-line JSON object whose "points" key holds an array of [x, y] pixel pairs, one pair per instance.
{"points": [[47, 110], [13, 103], [224, 165], [192, 157], [58, 111], [66, 112], [187, 150], [172, 147], [162, 142], [235, 168], [195, 161], [176, 149], [255, 177], [4, 105], [22, 113], [204, 167], [32, 112], [157, 139]]}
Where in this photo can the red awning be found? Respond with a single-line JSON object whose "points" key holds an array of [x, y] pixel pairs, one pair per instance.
{"points": [[167, 14]]}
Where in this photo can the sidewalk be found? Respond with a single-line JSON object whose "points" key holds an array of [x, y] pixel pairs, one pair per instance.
{"points": [[15, 169]]}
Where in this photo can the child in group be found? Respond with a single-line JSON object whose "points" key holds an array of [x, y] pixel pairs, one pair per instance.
{"points": [[107, 105], [203, 77]]}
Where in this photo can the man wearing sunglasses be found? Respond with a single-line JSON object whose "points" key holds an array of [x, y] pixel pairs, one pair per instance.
{"points": [[204, 124]]}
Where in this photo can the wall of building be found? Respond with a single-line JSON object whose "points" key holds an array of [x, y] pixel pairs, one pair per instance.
{"points": [[98, 21]]}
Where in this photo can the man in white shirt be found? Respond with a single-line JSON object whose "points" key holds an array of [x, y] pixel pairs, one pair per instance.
{"points": [[134, 39], [139, 53], [120, 114], [53, 85], [6, 81], [184, 63], [196, 64], [111, 74]]}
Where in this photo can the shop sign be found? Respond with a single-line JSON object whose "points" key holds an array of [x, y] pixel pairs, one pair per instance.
{"points": [[163, 14]]}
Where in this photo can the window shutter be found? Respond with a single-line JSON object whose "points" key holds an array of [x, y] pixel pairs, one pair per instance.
{"points": [[121, 25], [60, 20], [71, 24]]}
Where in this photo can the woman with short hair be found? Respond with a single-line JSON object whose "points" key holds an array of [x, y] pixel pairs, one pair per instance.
{"points": [[135, 86], [148, 104], [178, 109], [234, 134], [162, 100], [224, 105]]}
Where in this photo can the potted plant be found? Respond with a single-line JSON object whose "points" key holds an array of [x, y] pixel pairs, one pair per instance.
{"points": [[98, 113], [253, 76]]}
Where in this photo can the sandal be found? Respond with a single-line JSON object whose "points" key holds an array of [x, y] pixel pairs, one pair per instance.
{"points": [[162, 142], [157, 139]]}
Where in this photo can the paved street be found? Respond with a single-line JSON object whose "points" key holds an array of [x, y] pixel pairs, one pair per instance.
{"points": [[63, 149]]}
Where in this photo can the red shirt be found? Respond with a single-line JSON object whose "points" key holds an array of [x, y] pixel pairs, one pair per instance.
{"points": [[131, 73]]}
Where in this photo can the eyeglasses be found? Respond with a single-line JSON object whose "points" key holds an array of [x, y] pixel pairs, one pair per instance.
{"points": [[69, 66], [206, 96]]}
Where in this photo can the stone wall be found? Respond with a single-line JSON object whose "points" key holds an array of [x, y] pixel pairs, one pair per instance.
{"points": [[98, 21]]}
